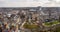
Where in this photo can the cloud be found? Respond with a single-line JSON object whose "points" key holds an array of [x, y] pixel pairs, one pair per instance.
{"points": [[29, 3], [18, 3]]}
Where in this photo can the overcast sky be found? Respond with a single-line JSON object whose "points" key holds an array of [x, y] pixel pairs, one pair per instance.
{"points": [[29, 3]]}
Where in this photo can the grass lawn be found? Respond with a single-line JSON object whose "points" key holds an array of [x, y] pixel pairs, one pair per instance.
{"points": [[29, 26], [48, 24], [56, 22]]}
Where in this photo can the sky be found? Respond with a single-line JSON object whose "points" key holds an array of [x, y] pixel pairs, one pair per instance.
{"points": [[29, 3]]}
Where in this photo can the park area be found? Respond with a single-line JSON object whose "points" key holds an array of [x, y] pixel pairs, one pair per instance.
{"points": [[52, 23]]}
